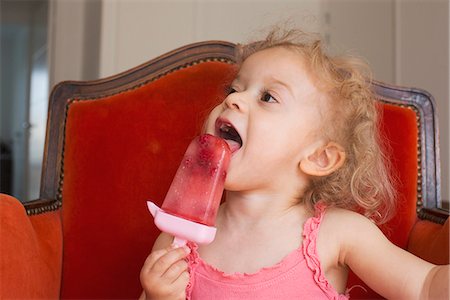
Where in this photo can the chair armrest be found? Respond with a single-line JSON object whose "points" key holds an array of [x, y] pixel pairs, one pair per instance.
{"points": [[430, 241], [30, 251]]}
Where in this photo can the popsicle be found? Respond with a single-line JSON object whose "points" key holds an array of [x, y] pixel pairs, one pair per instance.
{"points": [[190, 207]]}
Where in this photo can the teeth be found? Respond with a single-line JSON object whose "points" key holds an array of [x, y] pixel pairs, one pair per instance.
{"points": [[225, 127], [228, 132]]}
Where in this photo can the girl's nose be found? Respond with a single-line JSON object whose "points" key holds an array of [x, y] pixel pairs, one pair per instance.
{"points": [[234, 101]]}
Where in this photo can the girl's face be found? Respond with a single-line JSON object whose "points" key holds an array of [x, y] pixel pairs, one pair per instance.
{"points": [[271, 119]]}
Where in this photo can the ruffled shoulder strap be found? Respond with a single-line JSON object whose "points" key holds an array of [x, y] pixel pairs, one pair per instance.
{"points": [[192, 260], [310, 232]]}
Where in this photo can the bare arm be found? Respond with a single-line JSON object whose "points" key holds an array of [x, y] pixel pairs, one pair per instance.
{"points": [[389, 270], [436, 285]]}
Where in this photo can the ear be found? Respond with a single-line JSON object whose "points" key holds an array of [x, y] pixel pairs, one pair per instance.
{"points": [[324, 161]]}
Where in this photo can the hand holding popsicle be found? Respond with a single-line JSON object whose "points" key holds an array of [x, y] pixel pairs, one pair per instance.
{"points": [[164, 274], [191, 204]]}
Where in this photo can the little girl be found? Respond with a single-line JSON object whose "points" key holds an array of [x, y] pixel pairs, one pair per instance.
{"points": [[306, 184]]}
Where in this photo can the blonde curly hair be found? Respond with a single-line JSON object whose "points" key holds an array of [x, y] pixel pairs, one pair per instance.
{"points": [[364, 182]]}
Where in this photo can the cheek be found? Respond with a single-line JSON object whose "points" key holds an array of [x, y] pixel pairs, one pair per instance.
{"points": [[287, 140], [210, 122]]}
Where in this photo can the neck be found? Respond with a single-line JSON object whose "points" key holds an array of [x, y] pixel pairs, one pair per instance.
{"points": [[252, 209]]}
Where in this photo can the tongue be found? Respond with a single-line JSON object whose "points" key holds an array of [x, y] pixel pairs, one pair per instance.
{"points": [[234, 146]]}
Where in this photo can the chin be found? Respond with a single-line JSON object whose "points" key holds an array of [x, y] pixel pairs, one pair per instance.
{"points": [[230, 186], [233, 187]]}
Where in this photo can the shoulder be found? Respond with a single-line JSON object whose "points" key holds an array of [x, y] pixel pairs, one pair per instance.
{"points": [[344, 219], [347, 229], [389, 270], [332, 241]]}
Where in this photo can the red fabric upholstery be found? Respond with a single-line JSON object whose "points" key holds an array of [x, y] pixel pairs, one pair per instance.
{"points": [[121, 151], [399, 129], [30, 252]]}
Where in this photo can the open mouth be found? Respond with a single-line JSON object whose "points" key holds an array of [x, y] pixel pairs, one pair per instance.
{"points": [[226, 131]]}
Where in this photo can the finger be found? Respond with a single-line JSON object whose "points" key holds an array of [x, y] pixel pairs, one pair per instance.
{"points": [[182, 281], [153, 257], [174, 271], [165, 261]]}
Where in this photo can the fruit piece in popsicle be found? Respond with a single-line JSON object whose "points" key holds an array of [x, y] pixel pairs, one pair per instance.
{"points": [[191, 204]]}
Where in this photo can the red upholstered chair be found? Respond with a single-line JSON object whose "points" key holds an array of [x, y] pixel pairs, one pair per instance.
{"points": [[116, 142]]}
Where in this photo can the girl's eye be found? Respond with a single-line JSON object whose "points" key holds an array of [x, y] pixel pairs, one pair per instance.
{"points": [[230, 90], [267, 97]]}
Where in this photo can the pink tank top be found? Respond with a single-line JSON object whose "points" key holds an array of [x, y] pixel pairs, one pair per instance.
{"points": [[297, 276]]}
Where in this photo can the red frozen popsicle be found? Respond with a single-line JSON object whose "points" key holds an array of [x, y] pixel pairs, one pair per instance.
{"points": [[190, 208]]}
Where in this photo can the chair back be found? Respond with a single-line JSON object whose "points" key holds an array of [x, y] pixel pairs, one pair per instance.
{"points": [[113, 144]]}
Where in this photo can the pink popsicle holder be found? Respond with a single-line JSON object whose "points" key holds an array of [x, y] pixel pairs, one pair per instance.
{"points": [[183, 230]]}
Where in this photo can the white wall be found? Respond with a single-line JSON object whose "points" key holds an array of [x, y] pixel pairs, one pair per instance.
{"points": [[134, 31], [423, 61], [74, 39], [365, 29]]}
